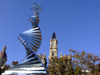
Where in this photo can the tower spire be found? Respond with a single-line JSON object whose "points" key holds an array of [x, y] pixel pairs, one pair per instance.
{"points": [[4, 48], [44, 54], [54, 35], [3, 57]]}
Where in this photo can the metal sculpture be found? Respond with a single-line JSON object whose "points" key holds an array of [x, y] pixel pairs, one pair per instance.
{"points": [[31, 39]]}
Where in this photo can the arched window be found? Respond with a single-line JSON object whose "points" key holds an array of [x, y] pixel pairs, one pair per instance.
{"points": [[52, 54]]}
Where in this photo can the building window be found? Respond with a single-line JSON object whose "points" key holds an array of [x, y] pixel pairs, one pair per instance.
{"points": [[53, 45], [52, 54]]}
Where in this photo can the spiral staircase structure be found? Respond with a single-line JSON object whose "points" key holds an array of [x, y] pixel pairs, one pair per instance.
{"points": [[31, 39]]}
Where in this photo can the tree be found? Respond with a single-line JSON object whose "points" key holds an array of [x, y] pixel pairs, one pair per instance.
{"points": [[6, 67], [60, 66], [85, 60], [98, 67], [77, 70], [14, 63]]}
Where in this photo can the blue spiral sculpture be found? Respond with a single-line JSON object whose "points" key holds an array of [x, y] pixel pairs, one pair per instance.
{"points": [[31, 39]]}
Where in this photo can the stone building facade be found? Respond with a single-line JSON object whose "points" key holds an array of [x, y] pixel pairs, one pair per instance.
{"points": [[43, 59]]}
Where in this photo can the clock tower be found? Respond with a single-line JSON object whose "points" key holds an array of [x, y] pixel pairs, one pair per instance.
{"points": [[53, 48]]}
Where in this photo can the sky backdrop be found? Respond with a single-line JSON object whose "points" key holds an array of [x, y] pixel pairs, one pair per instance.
{"points": [[75, 22]]}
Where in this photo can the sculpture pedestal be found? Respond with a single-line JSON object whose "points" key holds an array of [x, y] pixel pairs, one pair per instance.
{"points": [[31, 65]]}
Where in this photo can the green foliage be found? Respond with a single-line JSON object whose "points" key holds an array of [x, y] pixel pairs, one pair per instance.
{"points": [[77, 70], [6, 67], [60, 66], [14, 63], [98, 67], [82, 62], [85, 61]]}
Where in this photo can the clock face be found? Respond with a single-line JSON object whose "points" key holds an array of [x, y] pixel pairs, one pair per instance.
{"points": [[53, 44]]}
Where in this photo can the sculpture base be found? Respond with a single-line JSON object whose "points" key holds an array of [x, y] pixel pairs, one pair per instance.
{"points": [[23, 74], [31, 65]]}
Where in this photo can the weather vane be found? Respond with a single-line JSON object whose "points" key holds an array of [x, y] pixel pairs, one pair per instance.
{"points": [[36, 8]]}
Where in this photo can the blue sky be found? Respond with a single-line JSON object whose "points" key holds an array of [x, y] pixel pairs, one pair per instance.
{"points": [[76, 23]]}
